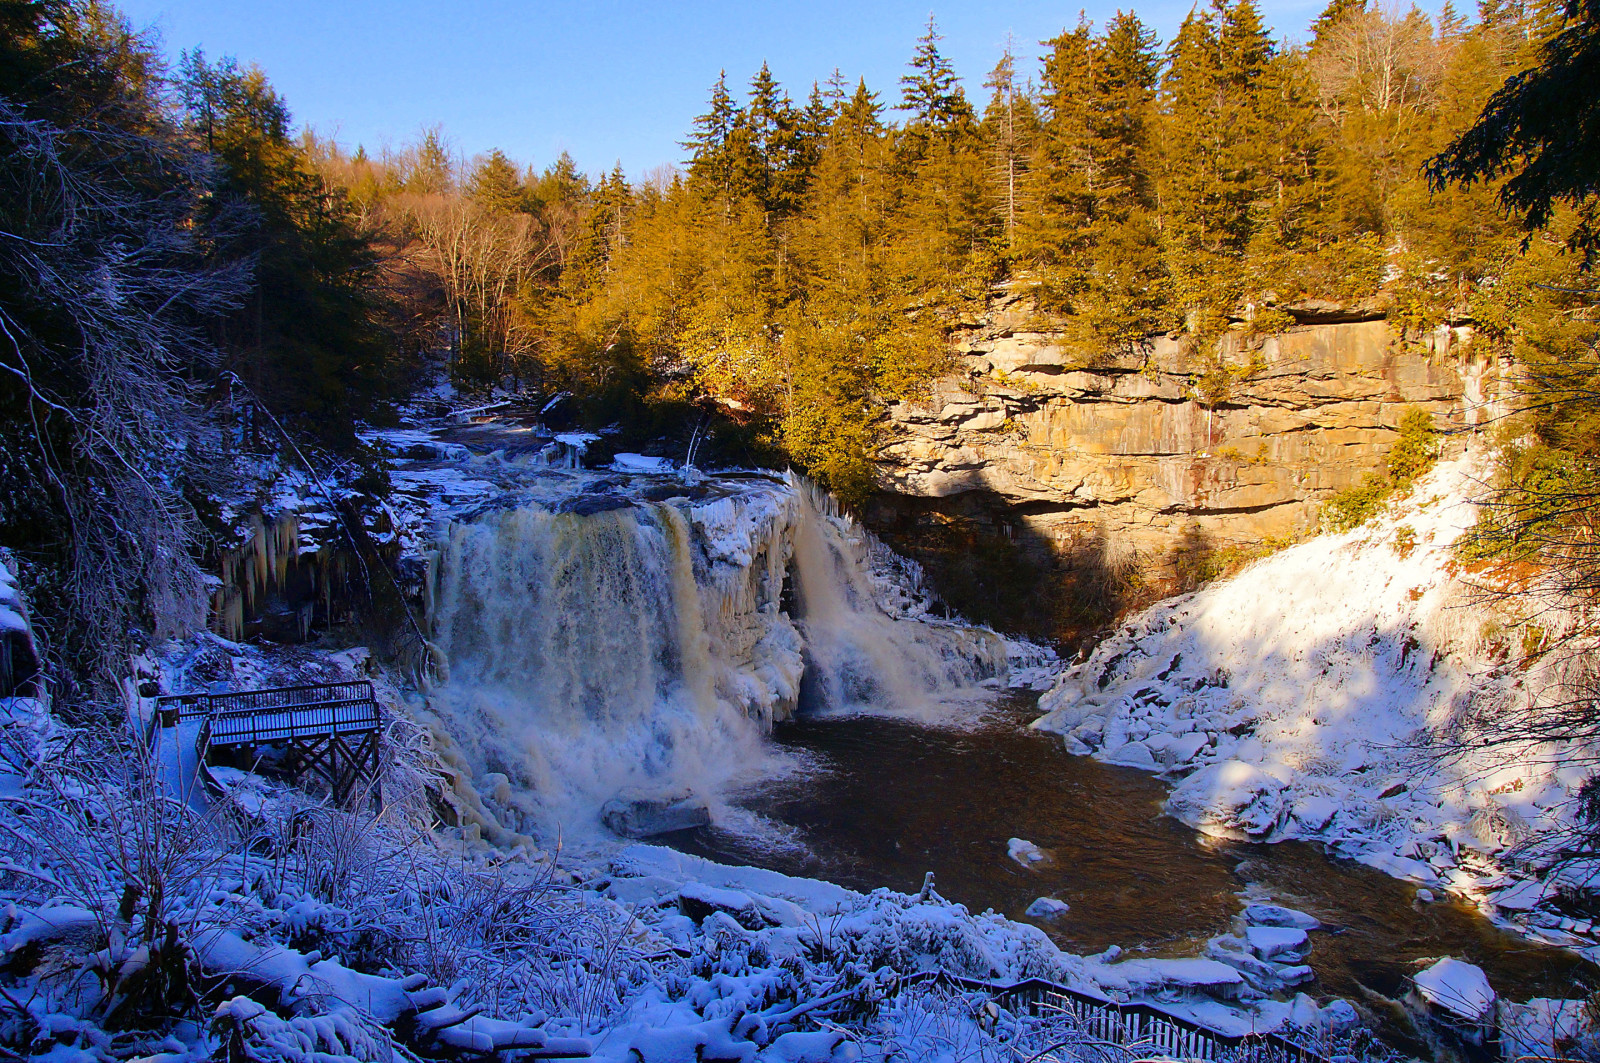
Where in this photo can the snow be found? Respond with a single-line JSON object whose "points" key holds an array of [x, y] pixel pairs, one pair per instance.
{"points": [[640, 463], [1025, 852], [1047, 908], [1459, 987], [1547, 1028], [1278, 943], [384, 939], [1311, 695], [1230, 799], [13, 614], [1277, 915]]}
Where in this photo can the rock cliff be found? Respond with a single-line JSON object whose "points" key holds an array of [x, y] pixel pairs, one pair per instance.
{"points": [[1116, 463]]}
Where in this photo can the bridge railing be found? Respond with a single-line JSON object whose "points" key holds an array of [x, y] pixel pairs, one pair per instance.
{"points": [[1147, 1028], [329, 729]]}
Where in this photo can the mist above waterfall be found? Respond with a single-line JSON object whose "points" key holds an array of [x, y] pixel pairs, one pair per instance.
{"points": [[605, 639]]}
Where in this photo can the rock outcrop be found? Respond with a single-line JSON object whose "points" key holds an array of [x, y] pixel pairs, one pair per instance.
{"points": [[1039, 441]]}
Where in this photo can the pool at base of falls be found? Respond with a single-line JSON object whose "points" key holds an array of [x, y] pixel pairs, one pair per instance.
{"points": [[883, 800]]}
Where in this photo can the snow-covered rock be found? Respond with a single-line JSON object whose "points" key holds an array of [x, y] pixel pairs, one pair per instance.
{"points": [[1230, 799], [1277, 915], [1047, 908], [1026, 853], [1312, 696], [641, 463], [1459, 988], [635, 815], [1278, 944]]}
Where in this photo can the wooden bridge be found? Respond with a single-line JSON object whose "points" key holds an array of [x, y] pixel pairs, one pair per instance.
{"points": [[330, 731]]}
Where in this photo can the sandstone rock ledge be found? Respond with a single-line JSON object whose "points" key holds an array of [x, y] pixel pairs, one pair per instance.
{"points": [[1040, 441]]}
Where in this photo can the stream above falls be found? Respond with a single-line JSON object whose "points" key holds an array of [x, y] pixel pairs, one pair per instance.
{"points": [[879, 801]]}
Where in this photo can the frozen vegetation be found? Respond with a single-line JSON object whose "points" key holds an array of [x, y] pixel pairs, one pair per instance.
{"points": [[255, 922]]}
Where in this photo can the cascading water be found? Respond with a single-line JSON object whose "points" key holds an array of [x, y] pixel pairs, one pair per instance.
{"points": [[857, 655], [604, 643]]}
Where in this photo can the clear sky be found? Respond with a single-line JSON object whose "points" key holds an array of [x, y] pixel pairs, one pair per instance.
{"points": [[607, 80]]}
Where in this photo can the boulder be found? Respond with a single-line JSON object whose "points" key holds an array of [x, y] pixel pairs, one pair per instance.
{"points": [[635, 815], [1046, 908], [1278, 944], [1026, 853], [1458, 989], [1277, 915], [1230, 799]]}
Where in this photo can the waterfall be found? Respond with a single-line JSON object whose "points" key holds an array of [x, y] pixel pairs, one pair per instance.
{"points": [[648, 646]]}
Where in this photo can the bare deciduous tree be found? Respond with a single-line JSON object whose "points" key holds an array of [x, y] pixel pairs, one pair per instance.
{"points": [[101, 337]]}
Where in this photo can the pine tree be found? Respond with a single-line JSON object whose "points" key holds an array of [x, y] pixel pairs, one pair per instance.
{"points": [[1216, 158], [769, 162], [602, 236], [931, 92], [495, 185], [1125, 294], [711, 144], [307, 342], [431, 171], [1064, 168], [1009, 124]]}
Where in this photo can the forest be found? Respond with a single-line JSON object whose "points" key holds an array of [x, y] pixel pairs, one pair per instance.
{"points": [[187, 281]]}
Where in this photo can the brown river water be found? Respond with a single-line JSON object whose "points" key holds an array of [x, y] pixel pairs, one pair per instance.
{"points": [[880, 801]]}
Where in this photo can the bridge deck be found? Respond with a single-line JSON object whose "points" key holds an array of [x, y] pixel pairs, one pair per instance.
{"points": [[331, 730]]}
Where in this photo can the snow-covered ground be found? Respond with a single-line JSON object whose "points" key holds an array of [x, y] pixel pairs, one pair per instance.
{"points": [[1313, 696], [259, 924], [279, 929]]}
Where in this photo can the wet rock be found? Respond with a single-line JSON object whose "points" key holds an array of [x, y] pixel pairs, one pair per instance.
{"points": [[640, 816], [589, 505]]}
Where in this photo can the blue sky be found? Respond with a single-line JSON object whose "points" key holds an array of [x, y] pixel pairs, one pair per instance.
{"points": [[608, 80]]}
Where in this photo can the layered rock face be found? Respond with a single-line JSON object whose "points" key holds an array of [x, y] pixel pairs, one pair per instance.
{"points": [[1040, 443]]}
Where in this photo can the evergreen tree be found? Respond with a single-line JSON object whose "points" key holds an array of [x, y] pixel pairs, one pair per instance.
{"points": [[431, 171], [770, 162], [711, 144], [307, 342], [602, 236], [1009, 123], [931, 92], [1217, 158], [1062, 200], [495, 185], [1125, 295], [1543, 126]]}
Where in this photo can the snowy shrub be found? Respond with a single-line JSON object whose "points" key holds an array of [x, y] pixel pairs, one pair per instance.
{"points": [[116, 876]]}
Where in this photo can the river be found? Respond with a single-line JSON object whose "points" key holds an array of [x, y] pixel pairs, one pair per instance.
{"points": [[879, 801]]}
